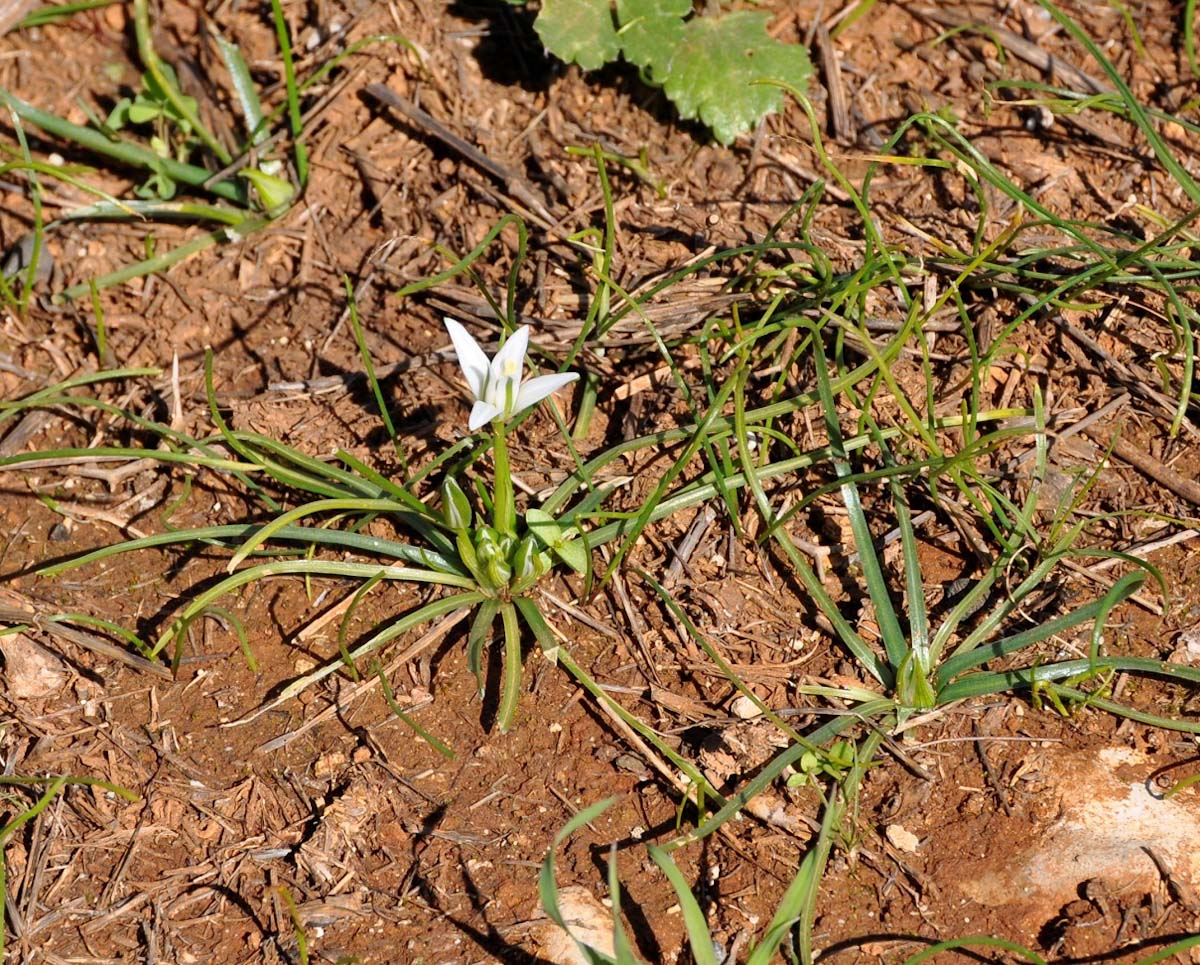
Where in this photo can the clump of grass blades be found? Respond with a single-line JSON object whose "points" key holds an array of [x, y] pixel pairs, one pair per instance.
{"points": [[243, 187], [704, 951], [920, 666]]}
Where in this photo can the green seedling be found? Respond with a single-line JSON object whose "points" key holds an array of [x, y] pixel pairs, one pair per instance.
{"points": [[835, 763], [171, 136], [157, 132]]}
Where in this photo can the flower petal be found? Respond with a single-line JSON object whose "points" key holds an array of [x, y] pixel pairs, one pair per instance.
{"points": [[508, 366], [481, 414], [471, 358], [533, 391]]}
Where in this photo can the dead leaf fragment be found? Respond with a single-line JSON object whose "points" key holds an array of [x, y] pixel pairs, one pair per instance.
{"points": [[30, 670], [587, 920]]}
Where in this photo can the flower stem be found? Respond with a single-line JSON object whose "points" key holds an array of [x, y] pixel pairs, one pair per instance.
{"points": [[504, 517]]}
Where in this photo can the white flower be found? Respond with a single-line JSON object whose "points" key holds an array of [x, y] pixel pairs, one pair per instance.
{"points": [[497, 385]]}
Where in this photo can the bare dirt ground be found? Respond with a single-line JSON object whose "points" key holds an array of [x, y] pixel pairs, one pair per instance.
{"points": [[392, 853]]}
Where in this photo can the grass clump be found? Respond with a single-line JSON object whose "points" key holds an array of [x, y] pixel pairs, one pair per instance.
{"points": [[188, 173]]}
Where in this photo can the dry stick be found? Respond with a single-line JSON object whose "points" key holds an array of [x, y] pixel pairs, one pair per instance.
{"points": [[688, 545], [31, 887], [582, 616], [839, 112], [1023, 49], [334, 383], [430, 637], [756, 807], [512, 182], [1145, 550], [1095, 576], [636, 625], [13, 12], [16, 607], [1031, 53], [993, 777], [1160, 472], [30, 425], [1136, 381], [1177, 885]]}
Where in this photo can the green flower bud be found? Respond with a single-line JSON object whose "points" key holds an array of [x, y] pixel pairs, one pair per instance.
{"points": [[466, 553], [274, 193], [507, 545], [486, 543], [498, 571], [525, 561], [456, 508]]}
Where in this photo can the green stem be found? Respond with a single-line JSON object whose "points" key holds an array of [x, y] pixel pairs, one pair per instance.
{"points": [[504, 511], [150, 60], [126, 152]]}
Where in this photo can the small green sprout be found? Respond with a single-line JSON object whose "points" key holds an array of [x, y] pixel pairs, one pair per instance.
{"points": [[835, 762], [173, 136]]}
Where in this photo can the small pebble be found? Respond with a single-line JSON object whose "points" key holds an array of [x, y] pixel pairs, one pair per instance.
{"points": [[743, 707], [901, 838]]}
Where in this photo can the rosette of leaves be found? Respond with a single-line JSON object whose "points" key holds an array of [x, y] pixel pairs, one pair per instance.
{"points": [[711, 67]]}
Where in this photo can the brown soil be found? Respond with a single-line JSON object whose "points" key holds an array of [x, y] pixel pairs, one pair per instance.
{"points": [[392, 853]]}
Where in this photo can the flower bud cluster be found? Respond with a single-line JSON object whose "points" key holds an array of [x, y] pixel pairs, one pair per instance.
{"points": [[501, 563]]}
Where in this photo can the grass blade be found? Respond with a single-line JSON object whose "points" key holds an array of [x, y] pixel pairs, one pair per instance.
{"points": [[548, 884], [699, 936], [295, 121], [481, 628]]}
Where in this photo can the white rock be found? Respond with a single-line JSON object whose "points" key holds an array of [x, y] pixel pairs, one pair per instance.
{"points": [[901, 838], [743, 707]]}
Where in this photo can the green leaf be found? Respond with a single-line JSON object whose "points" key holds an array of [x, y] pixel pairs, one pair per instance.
{"points": [[544, 527], [481, 629], [118, 117], [651, 29], [274, 193], [574, 553], [579, 31], [510, 686], [243, 87], [711, 74], [567, 546], [142, 111], [699, 935]]}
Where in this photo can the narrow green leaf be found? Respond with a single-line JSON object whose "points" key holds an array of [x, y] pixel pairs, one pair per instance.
{"points": [[481, 628], [548, 885], [698, 932], [244, 90], [510, 694]]}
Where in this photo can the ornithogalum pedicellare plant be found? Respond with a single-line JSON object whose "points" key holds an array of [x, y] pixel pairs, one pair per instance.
{"points": [[504, 561], [487, 561]]}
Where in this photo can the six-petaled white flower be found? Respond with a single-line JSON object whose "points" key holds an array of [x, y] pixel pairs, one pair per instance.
{"points": [[498, 386]]}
